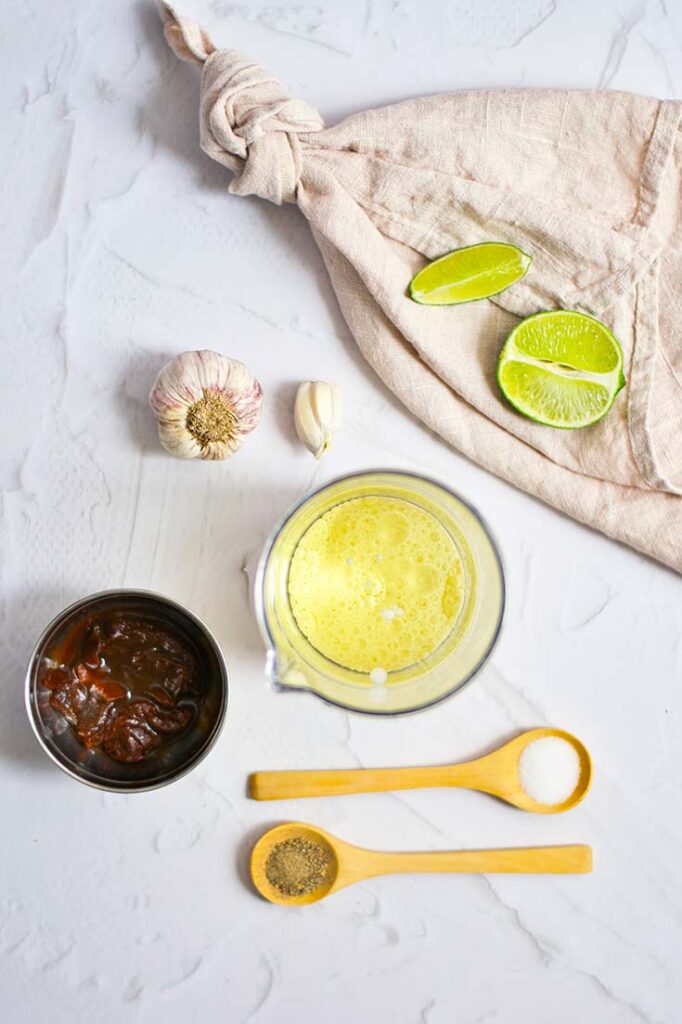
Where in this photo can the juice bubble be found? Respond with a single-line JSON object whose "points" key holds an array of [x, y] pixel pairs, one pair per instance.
{"points": [[428, 578], [393, 528]]}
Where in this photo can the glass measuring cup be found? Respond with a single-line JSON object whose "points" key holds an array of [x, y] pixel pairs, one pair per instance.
{"points": [[292, 661]]}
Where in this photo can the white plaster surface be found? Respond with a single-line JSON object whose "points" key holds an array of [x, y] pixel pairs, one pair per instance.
{"points": [[121, 248]]}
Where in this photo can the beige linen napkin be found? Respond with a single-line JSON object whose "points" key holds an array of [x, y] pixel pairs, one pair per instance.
{"points": [[588, 183]]}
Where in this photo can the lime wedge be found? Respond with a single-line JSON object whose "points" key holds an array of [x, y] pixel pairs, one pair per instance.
{"points": [[465, 275], [561, 368]]}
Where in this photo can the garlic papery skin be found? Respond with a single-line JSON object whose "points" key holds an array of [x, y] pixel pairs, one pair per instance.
{"points": [[205, 405], [317, 414]]}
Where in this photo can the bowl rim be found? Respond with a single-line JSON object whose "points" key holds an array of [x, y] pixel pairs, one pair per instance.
{"points": [[134, 787], [259, 592]]}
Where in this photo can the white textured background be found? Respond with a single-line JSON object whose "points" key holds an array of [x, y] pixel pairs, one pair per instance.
{"points": [[121, 248]]}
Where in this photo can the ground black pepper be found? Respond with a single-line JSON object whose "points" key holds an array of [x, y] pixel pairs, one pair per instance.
{"points": [[298, 866]]}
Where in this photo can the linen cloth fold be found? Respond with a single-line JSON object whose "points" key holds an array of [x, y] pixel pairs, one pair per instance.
{"points": [[589, 183]]}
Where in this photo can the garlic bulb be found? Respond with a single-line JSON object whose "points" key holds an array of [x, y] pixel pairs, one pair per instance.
{"points": [[205, 405], [317, 414]]}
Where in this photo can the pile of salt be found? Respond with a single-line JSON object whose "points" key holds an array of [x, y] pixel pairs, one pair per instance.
{"points": [[549, 769]]}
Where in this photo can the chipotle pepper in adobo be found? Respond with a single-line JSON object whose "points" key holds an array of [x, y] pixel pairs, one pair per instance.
{"points": [[127, 684]]}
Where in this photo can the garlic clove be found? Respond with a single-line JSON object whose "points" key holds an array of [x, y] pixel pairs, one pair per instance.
{"points": [[177, 441], [317, 414], [205, 405]]}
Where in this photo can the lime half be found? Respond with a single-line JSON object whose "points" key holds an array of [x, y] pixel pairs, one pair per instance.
{"points": [[561, 368], [465, 275]]}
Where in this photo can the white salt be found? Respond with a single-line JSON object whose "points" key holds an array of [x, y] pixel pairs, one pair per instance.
{"points": [[549, 769], [378, 676]]}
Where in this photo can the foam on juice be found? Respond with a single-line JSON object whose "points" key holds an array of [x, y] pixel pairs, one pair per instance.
{"points": [[376, 583]]}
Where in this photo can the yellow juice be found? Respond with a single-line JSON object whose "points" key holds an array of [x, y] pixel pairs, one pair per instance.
{"points": [[376, 584]]}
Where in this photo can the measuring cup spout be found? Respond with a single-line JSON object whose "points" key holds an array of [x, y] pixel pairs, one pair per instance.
{"points": [[271, 668], [283, 673]]}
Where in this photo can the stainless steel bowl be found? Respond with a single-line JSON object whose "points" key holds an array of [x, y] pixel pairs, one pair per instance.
{"points": [[93, 767]]}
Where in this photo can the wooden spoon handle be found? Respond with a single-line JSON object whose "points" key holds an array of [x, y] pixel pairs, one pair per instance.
{"points": [[280, 785], [554, 860]]}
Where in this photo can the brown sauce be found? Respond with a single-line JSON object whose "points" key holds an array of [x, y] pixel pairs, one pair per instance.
{"points": [[127, 684]]}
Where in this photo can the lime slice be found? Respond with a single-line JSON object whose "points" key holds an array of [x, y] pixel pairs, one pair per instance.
{"points": [[561, 368], [465, 275]]}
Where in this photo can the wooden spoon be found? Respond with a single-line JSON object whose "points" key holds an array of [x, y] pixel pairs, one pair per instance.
{"points": [[496, 773], [348, 864]]}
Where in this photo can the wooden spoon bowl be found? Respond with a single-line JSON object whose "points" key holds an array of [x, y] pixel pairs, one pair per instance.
{"points": [[279, 834], [500, 771]]}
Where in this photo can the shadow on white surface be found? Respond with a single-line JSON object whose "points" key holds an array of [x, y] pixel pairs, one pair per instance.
{"points": [[26, 616], [243, 853], [169, 111], [132, 397]]}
